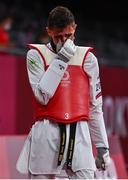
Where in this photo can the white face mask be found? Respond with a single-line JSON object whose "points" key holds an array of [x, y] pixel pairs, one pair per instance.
{"points": [[7, 26]]}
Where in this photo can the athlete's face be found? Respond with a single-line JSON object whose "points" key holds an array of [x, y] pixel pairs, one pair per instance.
{"points": [[62, 35]]}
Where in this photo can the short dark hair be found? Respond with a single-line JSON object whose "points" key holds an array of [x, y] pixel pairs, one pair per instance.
{"points": [[60, 17]]}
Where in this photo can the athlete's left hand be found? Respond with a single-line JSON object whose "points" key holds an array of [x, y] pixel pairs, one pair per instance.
{"points": [[102, 159]]}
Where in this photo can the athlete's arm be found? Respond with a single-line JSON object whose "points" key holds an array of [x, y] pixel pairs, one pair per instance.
{"points": [[96, 122]]}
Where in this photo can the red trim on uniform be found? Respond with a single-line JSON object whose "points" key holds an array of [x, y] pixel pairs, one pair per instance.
{"points": [[98, 95], [31, 47], [89, 49]]}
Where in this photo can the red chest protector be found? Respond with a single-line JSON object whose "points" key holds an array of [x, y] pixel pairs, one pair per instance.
{"points": [[70, 102]]}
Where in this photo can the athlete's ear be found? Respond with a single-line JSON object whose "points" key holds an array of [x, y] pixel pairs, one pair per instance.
{"points": [[75, 25], [48, 31], [73, 36]]}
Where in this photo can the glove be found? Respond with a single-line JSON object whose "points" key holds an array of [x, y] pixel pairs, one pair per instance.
{"points": [[103, 159], [67, 51]]}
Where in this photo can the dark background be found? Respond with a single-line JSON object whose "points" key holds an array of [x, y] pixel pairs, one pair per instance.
{"points": [[101, 24]]}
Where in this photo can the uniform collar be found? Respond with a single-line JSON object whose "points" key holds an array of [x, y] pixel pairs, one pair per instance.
{"points": [[51, 46]]}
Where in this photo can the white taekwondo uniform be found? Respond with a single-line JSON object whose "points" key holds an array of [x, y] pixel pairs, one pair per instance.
{"points": [[40, 151]]}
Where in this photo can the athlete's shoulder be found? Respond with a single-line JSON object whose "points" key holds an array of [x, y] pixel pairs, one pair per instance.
{"points": [[32, 52], [91, 59], [35, 46]]}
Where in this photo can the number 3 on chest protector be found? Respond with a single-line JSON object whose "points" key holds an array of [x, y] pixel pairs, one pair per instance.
{"points": [[66, 116]]}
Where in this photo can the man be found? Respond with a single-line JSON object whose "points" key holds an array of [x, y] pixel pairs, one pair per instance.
{"points": [[68, 106], [5, 26]]}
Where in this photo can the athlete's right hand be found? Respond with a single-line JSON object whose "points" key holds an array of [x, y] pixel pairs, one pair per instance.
{"points": [[67, 51]]}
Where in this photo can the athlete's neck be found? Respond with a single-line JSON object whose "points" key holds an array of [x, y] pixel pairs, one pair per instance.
{"points": [[53, 46]]}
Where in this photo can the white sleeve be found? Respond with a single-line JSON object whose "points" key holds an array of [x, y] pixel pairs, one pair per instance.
{"points": [[35, 69], [44, 83], [96, 119], [52, 77]]}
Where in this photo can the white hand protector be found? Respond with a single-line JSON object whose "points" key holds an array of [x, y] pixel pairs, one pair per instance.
{"points": [[52, 77], [67, 51], [103, 159]]}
